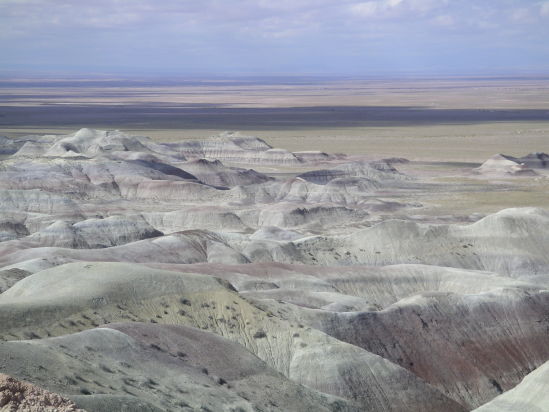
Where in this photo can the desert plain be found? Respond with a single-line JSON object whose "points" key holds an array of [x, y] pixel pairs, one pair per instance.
{"points": [[285, 244]]}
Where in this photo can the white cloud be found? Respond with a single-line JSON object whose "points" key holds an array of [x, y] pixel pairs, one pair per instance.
{"points": [[544, 9], [366, 9], [379, 8], [394, 3], [395, 8]]}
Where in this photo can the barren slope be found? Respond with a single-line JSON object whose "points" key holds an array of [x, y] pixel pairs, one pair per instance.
{"points": [[145, 276]]}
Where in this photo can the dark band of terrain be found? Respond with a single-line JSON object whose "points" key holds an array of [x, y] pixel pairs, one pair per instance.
{"points": [[210, 116]]}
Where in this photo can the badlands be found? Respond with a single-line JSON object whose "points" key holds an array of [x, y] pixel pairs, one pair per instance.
{"points": [[223, 274]]}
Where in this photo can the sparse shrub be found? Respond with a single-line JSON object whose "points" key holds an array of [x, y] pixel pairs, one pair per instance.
{"points": [[32, 335], [259, 335], [154, 346]]}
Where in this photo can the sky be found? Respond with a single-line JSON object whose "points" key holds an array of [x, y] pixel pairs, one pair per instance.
{"points": [[277, 37]]}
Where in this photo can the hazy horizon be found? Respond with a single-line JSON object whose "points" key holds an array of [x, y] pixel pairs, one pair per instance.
{"points": [[15, 77]]}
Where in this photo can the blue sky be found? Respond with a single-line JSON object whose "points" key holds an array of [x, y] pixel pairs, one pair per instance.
{"points": [[261, 37]]}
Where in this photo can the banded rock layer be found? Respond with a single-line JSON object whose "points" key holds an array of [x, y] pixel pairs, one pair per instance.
{"points": [[146, 276]]}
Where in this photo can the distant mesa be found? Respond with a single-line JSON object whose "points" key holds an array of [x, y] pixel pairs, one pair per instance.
{"points": [[314, 156], [374, 172], [214, 173], [506, 166], [226, 147], [235, 148]]}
